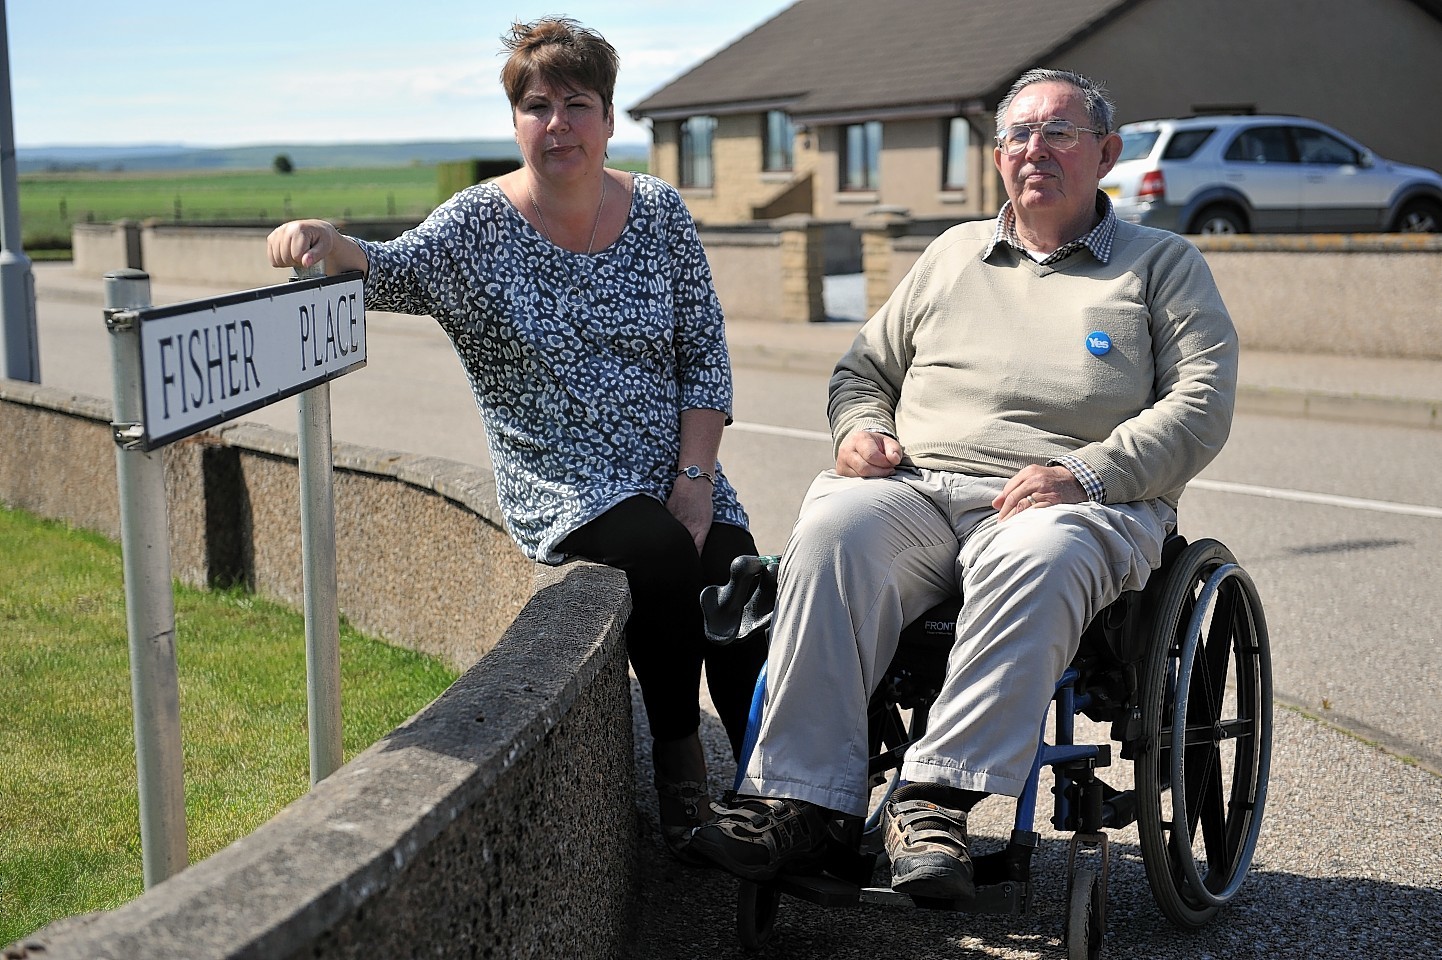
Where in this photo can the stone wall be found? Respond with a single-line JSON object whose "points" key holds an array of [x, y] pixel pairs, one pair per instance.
{"points": [[1365, 294], [423, 559], [499, 821], [1374, 295]]}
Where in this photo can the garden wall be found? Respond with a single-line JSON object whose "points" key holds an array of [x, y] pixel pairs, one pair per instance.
{"points": [[1363, 294], [498, 821], [1354, 295]]}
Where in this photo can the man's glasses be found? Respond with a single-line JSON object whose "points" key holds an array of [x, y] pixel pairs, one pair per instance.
{"points": [[1058, 134]]}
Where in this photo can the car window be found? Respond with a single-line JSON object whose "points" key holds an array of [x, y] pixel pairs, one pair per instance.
{"points": [[1261, 145], [1314, 146], [1137, 144], [1184, 143]]}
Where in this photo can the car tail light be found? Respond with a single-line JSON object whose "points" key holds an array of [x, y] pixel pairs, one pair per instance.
{"points": [[1154, 186]]}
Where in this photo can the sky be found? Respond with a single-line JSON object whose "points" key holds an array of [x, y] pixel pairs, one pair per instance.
{"points": [[242, 72]]}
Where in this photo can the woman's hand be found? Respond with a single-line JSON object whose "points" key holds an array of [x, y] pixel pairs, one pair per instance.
{"points": [[690, 502], [304, 243]]}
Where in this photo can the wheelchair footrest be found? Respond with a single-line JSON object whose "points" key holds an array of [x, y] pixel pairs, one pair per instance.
{"points": [[824, 890], [821, 889], [1010, 897]]}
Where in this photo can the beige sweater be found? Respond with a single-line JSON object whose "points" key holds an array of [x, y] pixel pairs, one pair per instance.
{"points": [[982, 367]]}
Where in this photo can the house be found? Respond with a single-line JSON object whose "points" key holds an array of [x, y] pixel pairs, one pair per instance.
{"points": [[835, 107]]}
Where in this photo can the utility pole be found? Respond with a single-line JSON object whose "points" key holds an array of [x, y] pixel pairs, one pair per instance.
{"points": [[21, 346]]}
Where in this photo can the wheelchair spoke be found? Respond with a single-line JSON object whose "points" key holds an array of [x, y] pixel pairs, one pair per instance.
{"points": [[1201, 772], [1209, 683], [1206, 809]]}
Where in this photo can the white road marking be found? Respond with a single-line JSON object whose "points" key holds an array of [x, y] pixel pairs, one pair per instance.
{"points": [[1217, 486], [794, 433], [1326, 499]]}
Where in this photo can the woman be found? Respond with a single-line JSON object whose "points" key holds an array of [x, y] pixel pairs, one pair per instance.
{"points": [[580, 303]]}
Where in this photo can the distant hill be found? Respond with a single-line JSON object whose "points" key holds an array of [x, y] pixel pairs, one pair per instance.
{"points": [[142, 157]]}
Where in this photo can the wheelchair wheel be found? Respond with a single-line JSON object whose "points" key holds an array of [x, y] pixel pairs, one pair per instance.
{"points": [[1086, 917], [756, 905], [1205, 752]]}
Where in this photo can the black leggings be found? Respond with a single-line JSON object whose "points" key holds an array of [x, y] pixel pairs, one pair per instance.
{"points": [[664, 635]]}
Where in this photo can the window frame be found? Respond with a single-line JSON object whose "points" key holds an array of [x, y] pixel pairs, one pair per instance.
{"points": [[870, 130], [771, 148], [1352, 156], [949, 160], [1232, 153], [692, 160]]}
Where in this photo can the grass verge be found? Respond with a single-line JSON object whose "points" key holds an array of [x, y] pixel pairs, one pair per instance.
{"points": [[69, 811]]}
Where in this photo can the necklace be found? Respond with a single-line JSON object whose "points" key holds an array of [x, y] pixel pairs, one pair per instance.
{"points": [[545, 231]]}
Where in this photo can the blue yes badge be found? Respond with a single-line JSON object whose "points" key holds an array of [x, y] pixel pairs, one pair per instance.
{"points": [[1098, 343]]}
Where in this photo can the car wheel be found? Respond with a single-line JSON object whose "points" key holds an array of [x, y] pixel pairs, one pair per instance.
{"points": [[1219, 220], [1419, 216]]}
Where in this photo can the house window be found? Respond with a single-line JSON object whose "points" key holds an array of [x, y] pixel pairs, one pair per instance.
{"points": [[696, 166], [958, 140], [780, 135], [861, 156]]}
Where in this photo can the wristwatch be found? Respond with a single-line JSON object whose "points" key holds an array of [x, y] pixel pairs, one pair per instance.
{"points": [[694, 472]]}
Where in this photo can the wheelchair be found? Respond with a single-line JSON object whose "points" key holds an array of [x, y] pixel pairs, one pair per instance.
{"points": [[1182, 673]]}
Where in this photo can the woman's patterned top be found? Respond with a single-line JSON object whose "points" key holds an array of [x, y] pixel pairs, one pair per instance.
{"points": [[580, 364]]}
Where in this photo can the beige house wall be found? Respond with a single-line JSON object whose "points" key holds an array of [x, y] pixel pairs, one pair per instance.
{"points": [[666, 150], [911, 171], [737, 155], [1369, 69]]}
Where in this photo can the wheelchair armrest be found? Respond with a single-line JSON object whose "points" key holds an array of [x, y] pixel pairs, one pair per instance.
{"points": [[743, 604]]}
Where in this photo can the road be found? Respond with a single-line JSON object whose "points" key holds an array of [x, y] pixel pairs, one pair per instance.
{"points": [[1355, 616]]}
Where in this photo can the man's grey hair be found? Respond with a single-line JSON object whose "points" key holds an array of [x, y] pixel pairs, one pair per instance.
{"points": [[1099, 106]]}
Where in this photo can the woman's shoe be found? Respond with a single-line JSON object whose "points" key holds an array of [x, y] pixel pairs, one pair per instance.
{"points": [[683, 806]]}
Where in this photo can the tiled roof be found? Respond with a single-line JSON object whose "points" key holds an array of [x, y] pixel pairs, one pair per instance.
{"points": [[820, 57]]}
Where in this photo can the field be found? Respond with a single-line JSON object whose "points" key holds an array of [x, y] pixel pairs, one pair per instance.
{"points": [[52, 203]]}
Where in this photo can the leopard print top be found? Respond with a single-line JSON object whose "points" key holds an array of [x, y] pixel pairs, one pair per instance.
{"points": [[580, 364]]}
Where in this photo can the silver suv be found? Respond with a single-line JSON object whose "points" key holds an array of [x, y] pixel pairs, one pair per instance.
{"points": [[1265, 174]]}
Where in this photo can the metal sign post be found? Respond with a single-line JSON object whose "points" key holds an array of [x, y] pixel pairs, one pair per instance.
{"points": [[322, 610], [149, 601], [317, 543], [179, 369]]}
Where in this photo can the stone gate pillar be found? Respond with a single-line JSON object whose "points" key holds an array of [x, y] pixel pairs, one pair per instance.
{"points": [[879, 230], [802, 266]]}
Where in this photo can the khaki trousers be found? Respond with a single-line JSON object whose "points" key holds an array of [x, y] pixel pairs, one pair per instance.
{"points": [[869, 556]]}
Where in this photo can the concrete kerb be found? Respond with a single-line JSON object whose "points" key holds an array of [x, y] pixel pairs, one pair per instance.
{"points": [[1352, 408]]}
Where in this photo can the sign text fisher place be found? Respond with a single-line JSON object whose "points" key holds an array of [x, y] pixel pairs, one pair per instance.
{"points": [[207, 361]]}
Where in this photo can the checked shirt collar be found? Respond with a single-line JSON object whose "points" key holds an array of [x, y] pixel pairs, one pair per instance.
{"points": [[1098, 241]]}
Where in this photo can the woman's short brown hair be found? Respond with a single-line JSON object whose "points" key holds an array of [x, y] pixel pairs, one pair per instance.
{"points": [[559, 52]]}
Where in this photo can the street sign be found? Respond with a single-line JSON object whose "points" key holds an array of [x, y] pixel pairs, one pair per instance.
{"points": [[203, 362]]}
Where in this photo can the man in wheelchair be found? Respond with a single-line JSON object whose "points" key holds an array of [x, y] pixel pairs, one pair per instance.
{"points": [[1015, 424]]}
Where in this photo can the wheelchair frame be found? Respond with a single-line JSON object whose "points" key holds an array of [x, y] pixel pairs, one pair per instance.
{"points": [[1185, 662]]}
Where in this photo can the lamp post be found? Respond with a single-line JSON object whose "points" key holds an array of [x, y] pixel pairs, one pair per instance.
{"points": [[20, 345]]}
